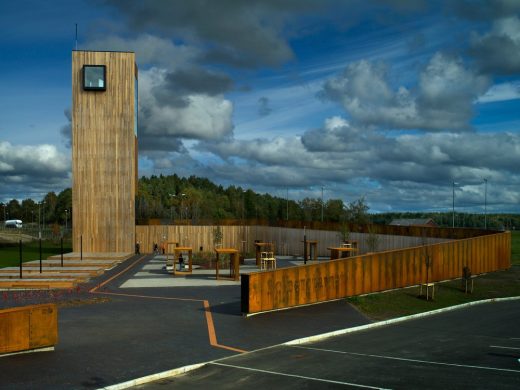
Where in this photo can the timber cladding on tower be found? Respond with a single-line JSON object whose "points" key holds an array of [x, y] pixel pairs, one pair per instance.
{"points": [[104, 151]]}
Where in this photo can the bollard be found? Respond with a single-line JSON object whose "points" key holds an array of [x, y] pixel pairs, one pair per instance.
{"points": [[20, 259]]}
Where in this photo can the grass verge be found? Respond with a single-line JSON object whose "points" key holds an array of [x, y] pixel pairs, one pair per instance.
{"points": [[10, 253], [404, 302]]}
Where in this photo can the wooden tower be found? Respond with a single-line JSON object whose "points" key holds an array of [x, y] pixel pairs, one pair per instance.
{"points": [[104, 151]]}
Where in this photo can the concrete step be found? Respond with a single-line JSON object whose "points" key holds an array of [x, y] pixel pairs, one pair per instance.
{"points": [[79, 277], [91, 271], [37, 283], [105, 264], [110, 256]]}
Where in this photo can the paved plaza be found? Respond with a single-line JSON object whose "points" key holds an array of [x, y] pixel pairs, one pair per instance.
{"points": [[139, 331], [146, 322]]}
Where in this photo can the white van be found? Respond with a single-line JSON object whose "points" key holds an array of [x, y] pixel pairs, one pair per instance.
{"points": [[13, 224]]}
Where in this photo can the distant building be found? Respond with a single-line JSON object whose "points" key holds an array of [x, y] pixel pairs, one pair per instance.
{"points": [[427, 222]]}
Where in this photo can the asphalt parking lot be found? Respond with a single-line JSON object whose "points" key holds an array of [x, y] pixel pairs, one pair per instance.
{"points": [[477, 347]]}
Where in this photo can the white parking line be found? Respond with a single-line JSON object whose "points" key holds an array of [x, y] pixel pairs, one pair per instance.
{"points": [[297, 376], [499, 346], [407, 360]]}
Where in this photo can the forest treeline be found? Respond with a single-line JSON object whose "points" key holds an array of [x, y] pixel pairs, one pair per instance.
{"points": [[174, 198]]}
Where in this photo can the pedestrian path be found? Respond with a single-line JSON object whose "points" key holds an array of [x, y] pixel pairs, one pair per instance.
{"points": [[156, 274]]}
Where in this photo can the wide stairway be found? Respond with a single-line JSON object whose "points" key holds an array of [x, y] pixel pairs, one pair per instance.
{"points": [[51, 274]]}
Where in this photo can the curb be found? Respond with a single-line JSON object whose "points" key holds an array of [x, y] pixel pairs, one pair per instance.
{"points": [[153, 377], [394, 321]]}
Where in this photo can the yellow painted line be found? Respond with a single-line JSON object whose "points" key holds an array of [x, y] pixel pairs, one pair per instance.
{"points": [[211, 330], [211, 327], [116, 275]]}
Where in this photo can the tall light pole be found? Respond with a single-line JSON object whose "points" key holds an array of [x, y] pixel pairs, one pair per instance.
{"points": [[43, 218], [321, 203], [66, 215], [287, 203], [182, 206], [171, 206], [485, 203], [453, 206], [243, 204], [39, 219]]}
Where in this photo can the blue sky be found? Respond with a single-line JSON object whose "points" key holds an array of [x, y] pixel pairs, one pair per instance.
{"points": [[393, 100]]}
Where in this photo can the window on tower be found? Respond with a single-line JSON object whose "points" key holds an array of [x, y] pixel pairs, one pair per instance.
{"points": [[94, 77]]}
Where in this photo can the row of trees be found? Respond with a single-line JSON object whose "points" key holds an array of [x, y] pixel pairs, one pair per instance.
{"points": [[172, 198], [51, 209]]}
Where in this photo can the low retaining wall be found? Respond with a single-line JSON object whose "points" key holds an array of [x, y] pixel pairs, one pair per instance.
{"points": [[28, 327], [329, 280]]}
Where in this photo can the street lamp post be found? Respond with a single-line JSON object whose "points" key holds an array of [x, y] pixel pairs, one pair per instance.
{"points": [[321, 203], [66, 215], [171, 206], [243, 205], [287, 203], [182, 207], [43, 219], [485, 203], [39, 220], [453, 206]]}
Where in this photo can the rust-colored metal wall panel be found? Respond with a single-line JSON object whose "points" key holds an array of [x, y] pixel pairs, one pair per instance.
{"points": [[255, 293], [28, 327], [341, 278], [14, 330], [43, 326]]}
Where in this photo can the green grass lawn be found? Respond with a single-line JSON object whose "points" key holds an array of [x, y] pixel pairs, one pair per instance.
{"points": [[10, 254], [402, 302]]}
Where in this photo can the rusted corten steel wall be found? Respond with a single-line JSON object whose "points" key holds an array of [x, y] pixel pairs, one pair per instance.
{"points": [[28, 327], [288, 287]]}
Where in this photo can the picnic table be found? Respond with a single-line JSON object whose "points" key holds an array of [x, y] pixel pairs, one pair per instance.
{"points": [[337, 252]]}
